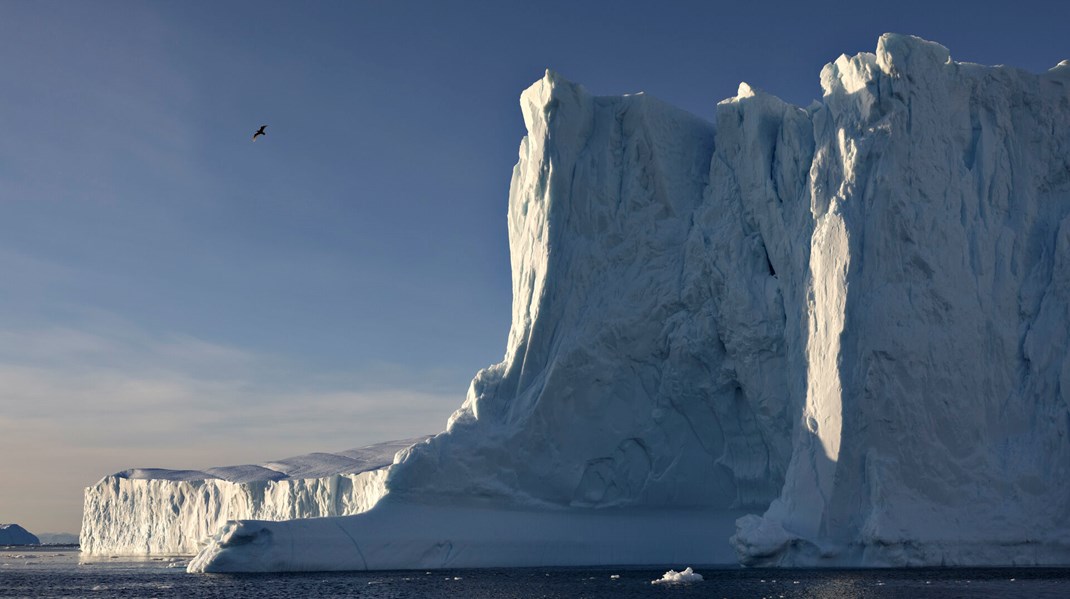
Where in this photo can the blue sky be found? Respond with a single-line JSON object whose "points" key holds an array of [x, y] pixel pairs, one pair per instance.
{"points": [[174, 295]]}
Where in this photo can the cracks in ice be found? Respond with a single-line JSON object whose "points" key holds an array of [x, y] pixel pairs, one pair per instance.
{"points": [[354, 541]]}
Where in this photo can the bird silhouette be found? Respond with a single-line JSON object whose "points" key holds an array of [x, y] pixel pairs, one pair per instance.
{"points": [[260, 132]]}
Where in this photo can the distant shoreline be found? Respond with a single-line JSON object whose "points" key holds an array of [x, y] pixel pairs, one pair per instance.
{"points": [[41, 546]]}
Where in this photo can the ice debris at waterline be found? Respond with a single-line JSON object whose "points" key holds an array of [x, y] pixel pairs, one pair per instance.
{"points": [[687, 575], [847, 323]]}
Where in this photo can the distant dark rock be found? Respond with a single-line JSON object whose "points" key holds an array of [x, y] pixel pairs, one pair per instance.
{"points": [[58, 538], [13, 534]]}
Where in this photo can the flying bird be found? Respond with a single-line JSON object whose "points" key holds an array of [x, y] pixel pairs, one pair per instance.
{"points": [[260, 132]]}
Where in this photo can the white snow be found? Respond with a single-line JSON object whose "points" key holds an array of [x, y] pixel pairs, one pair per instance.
{"points": [[149, 511], [852, 318], [687, 575]]}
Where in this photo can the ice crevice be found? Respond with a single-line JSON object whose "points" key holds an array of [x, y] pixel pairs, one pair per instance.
{"points": [[824, 336]]}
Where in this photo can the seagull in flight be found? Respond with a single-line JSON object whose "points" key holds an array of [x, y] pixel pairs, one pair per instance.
{"points": [[260, 132]]}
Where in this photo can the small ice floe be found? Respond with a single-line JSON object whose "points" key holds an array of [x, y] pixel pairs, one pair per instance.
{"points": [[674, 577], [616, 576]]}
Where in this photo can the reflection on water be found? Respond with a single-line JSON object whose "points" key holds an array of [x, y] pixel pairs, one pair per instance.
{"points": [[60, 572]]}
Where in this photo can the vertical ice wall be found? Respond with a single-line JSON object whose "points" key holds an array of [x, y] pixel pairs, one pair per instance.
{"points": [[935, 424], [152, 511], [645, 363], [131, 516]]}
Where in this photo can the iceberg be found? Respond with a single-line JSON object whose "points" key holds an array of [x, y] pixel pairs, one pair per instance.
{"points": [[934, 425], [153, 511], [836, 335], [685, 576]]}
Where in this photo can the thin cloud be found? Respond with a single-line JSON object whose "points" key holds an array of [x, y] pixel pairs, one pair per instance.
{"points": [[92, 403]]}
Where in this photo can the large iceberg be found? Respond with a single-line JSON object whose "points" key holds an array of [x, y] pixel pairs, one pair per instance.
{"points": [[935, 426], [852, 319], [153, 511]]}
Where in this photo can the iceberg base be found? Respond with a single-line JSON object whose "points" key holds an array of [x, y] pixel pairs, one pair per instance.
{"points": [[398, 536], [765, 543]]}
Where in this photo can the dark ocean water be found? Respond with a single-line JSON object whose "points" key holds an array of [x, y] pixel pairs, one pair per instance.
{"points": [[31, 572]]}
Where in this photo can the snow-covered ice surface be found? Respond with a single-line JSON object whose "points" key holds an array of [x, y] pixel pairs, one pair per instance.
{"points": [[151, 511], [851, 318], [687, 575]]}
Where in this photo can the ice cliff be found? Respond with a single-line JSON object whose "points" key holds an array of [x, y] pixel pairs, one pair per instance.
{"points": [[852, 319], [152, 511], [934, 427]]}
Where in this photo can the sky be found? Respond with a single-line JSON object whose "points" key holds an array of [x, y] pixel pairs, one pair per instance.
{"points": [[174, 295]]}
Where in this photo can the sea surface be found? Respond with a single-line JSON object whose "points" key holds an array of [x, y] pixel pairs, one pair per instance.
{"points": [[60, 572]]}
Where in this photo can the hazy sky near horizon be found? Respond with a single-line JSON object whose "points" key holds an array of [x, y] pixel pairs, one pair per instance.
{"points": [[174, 295]]}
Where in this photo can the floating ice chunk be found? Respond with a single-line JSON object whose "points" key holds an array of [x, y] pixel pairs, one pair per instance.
{"points": [[673, 577]]}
